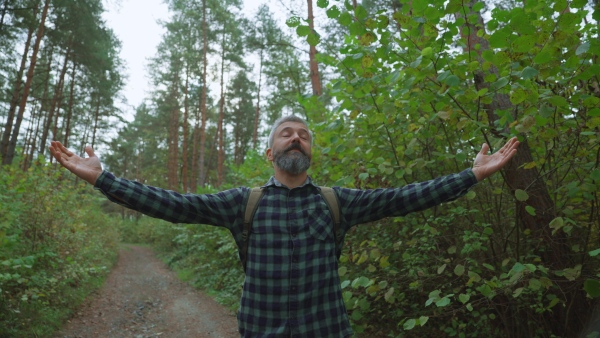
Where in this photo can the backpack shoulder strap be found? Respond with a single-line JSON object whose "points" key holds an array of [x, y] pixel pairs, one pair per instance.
{"points": [[251, 206], [331, 199]]}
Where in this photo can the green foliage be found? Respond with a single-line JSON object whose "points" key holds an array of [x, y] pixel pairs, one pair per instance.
{"points": [[416, 99], [54, 249]]}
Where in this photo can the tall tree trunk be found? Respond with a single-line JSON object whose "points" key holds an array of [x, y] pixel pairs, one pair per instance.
{"points": [[184, 155], [55, 104], [314, 65], [96, 121], [195, 172], [14, 102], [29, 158], [70, 108], [15, 133], [257, 114], [173, 135], [201, 165], [4, 9], [221, 157]]}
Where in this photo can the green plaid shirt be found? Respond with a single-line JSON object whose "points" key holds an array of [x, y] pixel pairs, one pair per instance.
{"points": [[292, 287]]}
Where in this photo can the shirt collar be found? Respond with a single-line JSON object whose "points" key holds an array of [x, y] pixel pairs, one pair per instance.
{"points": [[274, 182]]}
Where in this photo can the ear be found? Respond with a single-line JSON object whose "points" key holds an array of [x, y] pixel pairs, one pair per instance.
{"points": [[269, 154]]}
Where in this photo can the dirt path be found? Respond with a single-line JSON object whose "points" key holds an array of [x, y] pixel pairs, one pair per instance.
{"points": [[142, 298]]}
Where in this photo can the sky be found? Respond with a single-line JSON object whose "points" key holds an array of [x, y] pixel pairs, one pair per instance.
{"points": [[135, 22]]}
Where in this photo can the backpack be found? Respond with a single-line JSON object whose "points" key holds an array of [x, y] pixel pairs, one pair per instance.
{"points": [[256, 194]]}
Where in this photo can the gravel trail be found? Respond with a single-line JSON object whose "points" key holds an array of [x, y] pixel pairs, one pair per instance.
{"points": [[142, 298]]}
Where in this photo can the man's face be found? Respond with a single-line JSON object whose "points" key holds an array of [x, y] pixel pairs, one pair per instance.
{"points": [[291, 151]]}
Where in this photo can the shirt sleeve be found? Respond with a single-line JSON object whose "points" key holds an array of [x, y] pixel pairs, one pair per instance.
{"points": [[362, 206], [220, 209]]}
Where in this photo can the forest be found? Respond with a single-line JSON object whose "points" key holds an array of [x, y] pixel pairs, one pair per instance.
{"points": [[395, 91]]}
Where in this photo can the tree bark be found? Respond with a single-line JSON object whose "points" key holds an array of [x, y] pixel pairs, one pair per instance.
{"points": [[221, 156], [10, 153], [257, 115], [173, 136], [58, 89], [201, 165], [184, 155], [14, 102], [314, 65], [70, 108], [96, 120]]}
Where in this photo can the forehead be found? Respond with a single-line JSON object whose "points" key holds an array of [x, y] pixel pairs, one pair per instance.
{"points": [[296, 126]]}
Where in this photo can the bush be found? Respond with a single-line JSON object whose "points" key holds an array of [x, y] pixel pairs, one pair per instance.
{"points": [[54, 246]]}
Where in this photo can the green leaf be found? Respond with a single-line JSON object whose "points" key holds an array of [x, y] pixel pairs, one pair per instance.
{"points": [[592, 287], [529, 73], [333, 12], [452, 80], [443, 302], [313, 39], [558, 101], [524, 44], [499, 84], [517, 292], [423, 320], [361, 282], [521, 195], [544, 56], [530, 210], [427, 51], [389, 295], [518, 96], [489, 266], [583, 48], [322, 3], [360, 12], [409, 324], [535, 284], [345, 19], [518, 267], [463, 298], [485, 290], [441, 269], [363, 176], [459, 270], [557, 223], [292, 22], [302, 30], [594, 253]]}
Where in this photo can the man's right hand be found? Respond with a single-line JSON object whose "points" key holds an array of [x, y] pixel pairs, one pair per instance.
{"points": [[88, 169]]}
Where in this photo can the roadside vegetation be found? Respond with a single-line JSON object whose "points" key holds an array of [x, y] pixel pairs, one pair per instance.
{"points": [[56, 247]]}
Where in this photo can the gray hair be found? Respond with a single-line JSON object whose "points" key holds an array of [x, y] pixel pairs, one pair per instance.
{"points": [[288, 118]]}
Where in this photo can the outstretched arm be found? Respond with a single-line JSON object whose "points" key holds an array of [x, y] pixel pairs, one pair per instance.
{"points": [[485, 165], [88, 169]]}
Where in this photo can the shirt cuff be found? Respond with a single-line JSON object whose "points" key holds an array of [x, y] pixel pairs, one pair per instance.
{"points": [[469, 177], [104, 180]]}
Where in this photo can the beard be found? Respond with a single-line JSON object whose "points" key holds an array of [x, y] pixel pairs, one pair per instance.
{"points": [[290, 161]]}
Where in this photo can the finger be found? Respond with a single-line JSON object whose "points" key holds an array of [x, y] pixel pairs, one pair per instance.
{"points": [[90, 151], [64, 149], [484, 149]]}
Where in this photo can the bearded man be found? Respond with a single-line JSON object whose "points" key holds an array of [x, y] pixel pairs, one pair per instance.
{"points": [[292, 287]]}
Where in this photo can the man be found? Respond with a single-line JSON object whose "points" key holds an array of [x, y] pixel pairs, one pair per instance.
{"points": [[292, 287]]}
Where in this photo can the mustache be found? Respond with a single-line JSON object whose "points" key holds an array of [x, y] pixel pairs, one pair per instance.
{"points": [[295, 146]]}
